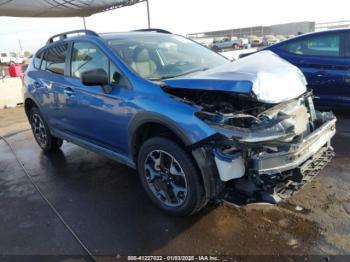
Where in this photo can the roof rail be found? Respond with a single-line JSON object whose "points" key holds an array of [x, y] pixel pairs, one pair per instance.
{"points": [[153, 30], [64, 35]]}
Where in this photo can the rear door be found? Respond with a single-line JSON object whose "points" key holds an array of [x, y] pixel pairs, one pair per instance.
{"points": [[55, 84], [321, 59], [49, 82]]}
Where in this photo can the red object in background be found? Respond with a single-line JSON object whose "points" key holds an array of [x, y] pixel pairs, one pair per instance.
{"points": [[15, 70]]}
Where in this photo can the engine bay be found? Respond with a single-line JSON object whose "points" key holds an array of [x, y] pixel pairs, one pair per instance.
{"points": [[222, 107], [246, 119]]}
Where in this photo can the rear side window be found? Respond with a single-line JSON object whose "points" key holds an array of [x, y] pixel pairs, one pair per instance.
{"points": [[56, 57], [321, 45], [37, 60]]}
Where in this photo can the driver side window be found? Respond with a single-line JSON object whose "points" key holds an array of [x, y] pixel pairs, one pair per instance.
{"points": [[87, 56]]}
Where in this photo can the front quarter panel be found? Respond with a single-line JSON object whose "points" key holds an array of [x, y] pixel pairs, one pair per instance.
{"points": [[173, 113]]}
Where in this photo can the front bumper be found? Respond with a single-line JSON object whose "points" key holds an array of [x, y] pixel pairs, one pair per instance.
{"points": [[274, 163]]}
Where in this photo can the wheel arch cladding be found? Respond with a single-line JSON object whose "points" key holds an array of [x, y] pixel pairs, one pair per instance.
{"points": [[28, 105], [149, 125], [141, 126]]}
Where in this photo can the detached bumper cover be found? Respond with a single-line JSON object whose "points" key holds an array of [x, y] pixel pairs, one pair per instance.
{"points": [[273, 163]]}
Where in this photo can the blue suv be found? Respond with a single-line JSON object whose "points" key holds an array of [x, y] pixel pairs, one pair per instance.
{"points": [[191, 122]]}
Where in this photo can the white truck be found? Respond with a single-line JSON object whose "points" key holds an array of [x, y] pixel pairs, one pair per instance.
{"points": [[226, 43], [4, 58], [11, 58]]}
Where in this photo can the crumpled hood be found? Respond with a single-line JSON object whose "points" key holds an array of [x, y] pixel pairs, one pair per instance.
{"points": [[264, 74]]}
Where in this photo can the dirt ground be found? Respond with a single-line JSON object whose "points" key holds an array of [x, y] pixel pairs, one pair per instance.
{"points": [[104, 204]]}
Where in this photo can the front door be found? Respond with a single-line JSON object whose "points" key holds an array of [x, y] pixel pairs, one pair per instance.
{"points": [[93, 115]]}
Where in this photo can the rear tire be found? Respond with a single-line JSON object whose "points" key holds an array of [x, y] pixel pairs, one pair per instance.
{"points": [[170, 177], [41, 132]]}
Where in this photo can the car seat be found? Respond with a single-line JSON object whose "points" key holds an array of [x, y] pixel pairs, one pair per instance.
{"points": [[142, 63]]}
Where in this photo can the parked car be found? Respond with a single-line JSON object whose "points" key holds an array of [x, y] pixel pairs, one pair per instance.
{"points": [[255, 41], [190, 121], [270, 40], [324, 58], [226, 43], [244, 43], [11, 58], [281, 37], [5, 58], [16, 58]]}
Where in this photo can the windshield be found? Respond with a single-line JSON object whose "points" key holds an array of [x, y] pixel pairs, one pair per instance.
{"points": [[165, 56]]}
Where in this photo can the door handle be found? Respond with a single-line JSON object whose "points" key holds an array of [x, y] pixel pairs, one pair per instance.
{"points": [[68, 91]]}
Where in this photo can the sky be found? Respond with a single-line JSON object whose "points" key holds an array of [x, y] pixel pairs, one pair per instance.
{"points": [[178, 16]]}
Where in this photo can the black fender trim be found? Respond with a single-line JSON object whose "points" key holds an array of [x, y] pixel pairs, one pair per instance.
{"points": [[29, 98], [204, 159], [151, 117], [210, 176]]}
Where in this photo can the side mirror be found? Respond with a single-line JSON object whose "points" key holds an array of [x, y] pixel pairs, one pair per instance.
{"points": [[96, 77]]}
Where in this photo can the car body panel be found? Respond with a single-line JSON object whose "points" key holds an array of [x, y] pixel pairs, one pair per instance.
{"points": [[263, 75], [327, 76]]}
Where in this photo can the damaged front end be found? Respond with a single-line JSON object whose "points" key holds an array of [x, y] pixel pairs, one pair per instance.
{"points": [[269, 139], [266, 152]]}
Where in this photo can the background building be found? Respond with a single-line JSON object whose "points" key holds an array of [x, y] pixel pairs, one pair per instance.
{"points": [[332, 25], [279, 29], [293, 28]]}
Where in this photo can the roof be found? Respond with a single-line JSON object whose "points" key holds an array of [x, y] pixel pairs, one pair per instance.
{"points": [[60, 8], [337, 30], [83, 33], [120, 35]]}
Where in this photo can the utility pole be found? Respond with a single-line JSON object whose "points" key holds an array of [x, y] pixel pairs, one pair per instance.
{"points": [[20, 46], [84, 22], [148, 15]]}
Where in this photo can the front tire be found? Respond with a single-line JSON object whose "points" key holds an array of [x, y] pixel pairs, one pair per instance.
{"points": [[41, 132], [216, 49], [170, 177]]}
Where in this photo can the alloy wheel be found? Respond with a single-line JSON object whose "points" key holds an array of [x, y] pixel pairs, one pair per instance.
{"points": [[165, 178], [39, 130]]}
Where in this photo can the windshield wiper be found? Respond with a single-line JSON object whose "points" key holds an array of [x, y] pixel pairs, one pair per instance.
{"points": [[186, 73]]}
